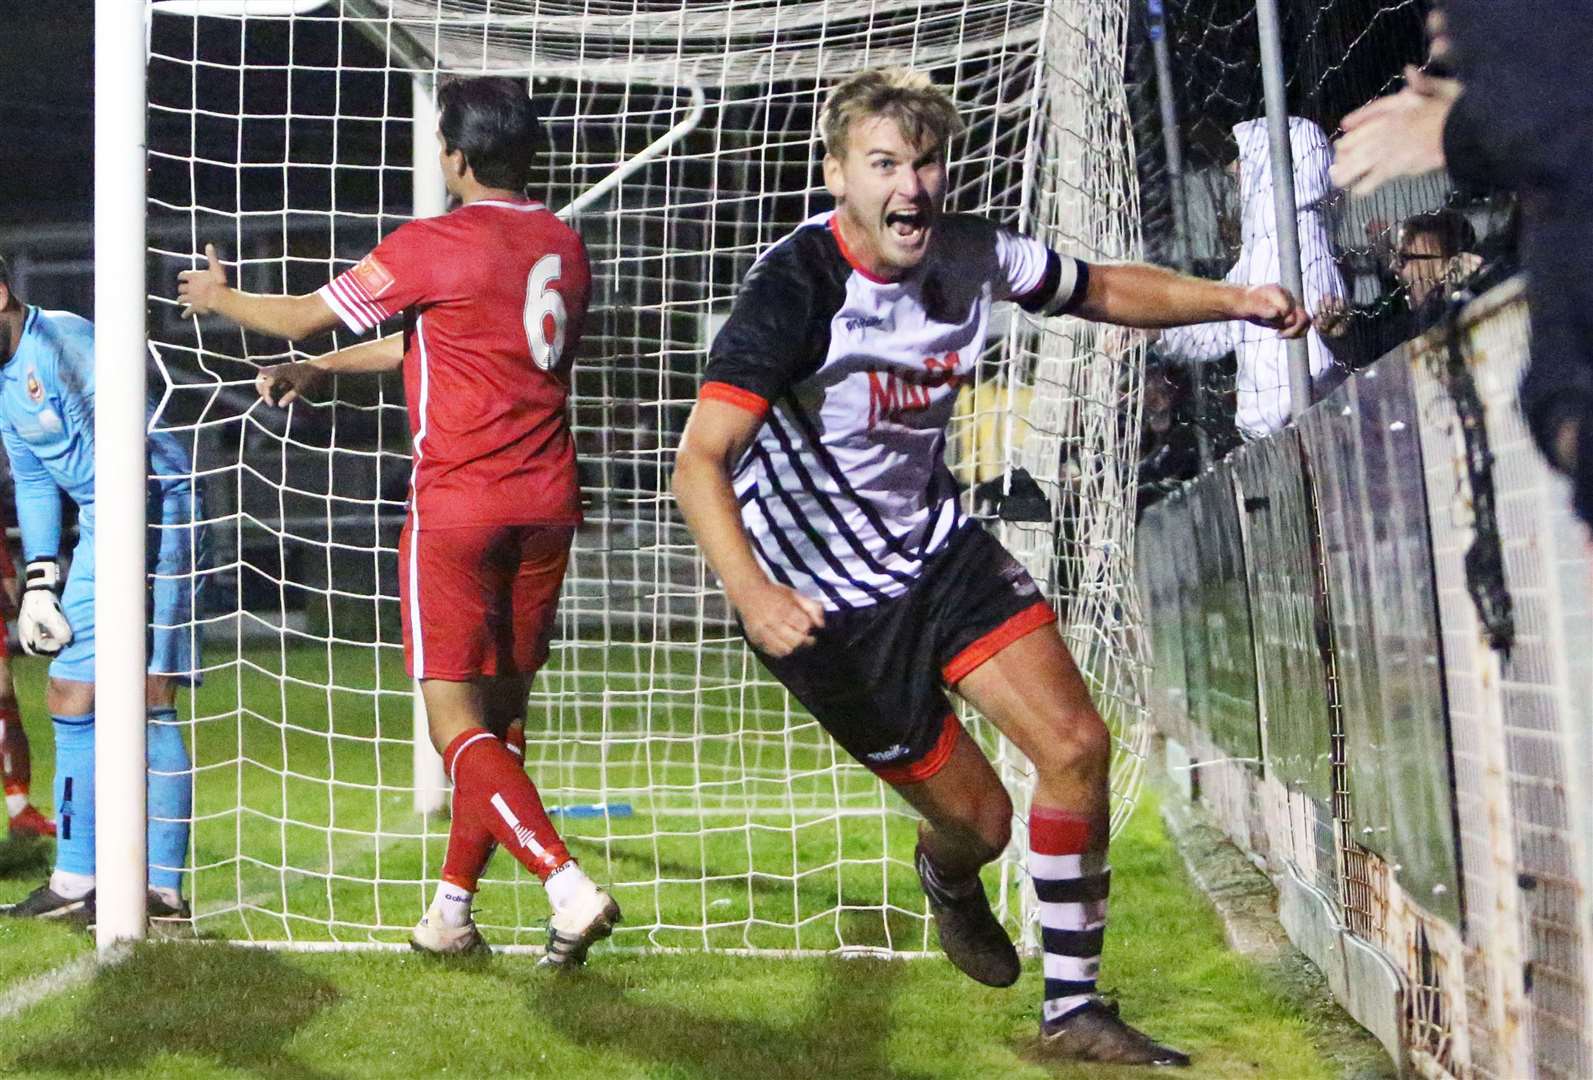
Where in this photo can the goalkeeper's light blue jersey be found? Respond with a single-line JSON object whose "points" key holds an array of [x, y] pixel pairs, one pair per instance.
{"points": [[47, 424]]}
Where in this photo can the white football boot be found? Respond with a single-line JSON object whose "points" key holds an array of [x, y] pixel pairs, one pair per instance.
{"points": [[588, 918], [431, 936]]}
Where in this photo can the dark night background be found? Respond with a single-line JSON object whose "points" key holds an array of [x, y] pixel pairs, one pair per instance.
{"points": [[47, 113]]}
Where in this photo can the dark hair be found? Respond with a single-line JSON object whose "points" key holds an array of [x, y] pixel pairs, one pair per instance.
{"points": [[1453, 232], [491, 120], [5, 272]]}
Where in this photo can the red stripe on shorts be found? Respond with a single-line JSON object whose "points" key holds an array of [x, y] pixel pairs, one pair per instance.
{"points": [[1026, 621], [915, 772]]}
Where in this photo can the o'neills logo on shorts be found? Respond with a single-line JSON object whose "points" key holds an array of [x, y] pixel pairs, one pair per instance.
{"points": [[890, 753], [1019, 578]]}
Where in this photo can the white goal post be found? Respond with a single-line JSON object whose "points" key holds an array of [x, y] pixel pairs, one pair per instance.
{"points": [[295, 135]]}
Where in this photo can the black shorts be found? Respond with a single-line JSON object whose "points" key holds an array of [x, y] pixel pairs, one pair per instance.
{"points": [[876, 677]]}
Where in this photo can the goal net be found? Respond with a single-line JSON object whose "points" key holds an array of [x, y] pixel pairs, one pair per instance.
{"points": [[721, 814]]}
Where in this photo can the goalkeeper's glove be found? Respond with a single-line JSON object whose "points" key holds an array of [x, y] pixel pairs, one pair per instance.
{"points": [[41, 623]]}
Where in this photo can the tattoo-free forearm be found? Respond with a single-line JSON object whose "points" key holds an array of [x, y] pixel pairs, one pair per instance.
{"points": [[383, 354], [708, 502], [1154, 298], [290, 317]]}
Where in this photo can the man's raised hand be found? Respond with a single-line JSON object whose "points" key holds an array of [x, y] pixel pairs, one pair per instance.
{"points": [[1272, 306], [198, 290]]}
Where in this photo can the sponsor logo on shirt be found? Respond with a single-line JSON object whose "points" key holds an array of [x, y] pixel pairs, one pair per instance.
{"points": [[894, 395], [372, 276]]}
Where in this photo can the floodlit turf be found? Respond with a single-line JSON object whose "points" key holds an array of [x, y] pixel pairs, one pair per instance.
{"points": [[209, 1010]]}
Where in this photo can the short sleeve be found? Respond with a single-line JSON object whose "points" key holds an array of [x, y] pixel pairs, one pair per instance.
{"points": [[391, 278], [1036, 278], [778, 331]]}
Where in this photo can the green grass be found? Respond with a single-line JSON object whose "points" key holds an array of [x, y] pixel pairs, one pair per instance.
{"points": [[184, 1010], [328, 849]]}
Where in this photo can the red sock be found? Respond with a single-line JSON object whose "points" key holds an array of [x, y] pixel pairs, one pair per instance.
{"points": [[495, 800], [16, 764]]}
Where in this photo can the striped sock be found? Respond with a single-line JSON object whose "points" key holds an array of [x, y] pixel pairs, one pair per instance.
{"points": [[1071, 879]]}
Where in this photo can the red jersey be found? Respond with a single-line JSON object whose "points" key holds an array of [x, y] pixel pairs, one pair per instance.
{"points": [[494, 297]]}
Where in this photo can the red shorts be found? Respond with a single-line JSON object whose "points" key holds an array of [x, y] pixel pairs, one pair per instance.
{"points": [[480, 600]]}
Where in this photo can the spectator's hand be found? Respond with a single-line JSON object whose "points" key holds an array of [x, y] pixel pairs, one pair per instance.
{"points": [[1462, 266], [1332, 318], [1273, 307], [1394, 136], [778, 620], [198, 290], [282, 384]]}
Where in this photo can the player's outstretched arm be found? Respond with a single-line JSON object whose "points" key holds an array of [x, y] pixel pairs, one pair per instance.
{"points": [[1153, 298], [206, 292], [282, 384], [778, 620]]}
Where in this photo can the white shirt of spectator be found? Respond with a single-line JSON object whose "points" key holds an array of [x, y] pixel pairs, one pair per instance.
{"points": [[1263, 357]]}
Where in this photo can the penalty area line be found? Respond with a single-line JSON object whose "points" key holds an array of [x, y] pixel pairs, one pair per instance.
{"points": [[58, 980]]}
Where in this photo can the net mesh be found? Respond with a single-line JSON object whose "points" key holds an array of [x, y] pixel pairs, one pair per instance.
{"points": [[722, 815]]}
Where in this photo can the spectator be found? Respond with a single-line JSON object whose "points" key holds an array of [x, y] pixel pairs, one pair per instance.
{"points": [[1169, 448], [1523, 119], [1263, 356], [1434, 253]]}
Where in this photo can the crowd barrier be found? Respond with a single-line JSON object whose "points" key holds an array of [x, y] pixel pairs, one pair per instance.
{"points": [[1372, 641]]}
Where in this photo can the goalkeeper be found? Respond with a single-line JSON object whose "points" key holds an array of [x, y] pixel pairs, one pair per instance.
{"points": [[493, 296], [812, 473], [47, 423]]}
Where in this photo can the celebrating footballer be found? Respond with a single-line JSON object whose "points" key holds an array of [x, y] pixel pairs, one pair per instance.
{"points": [[812, 475]]}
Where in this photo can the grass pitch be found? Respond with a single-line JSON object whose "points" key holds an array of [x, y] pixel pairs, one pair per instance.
{"points": [[321, 851]]}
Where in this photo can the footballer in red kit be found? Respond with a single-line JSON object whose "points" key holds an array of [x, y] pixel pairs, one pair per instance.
{"points": [[493, 296]]}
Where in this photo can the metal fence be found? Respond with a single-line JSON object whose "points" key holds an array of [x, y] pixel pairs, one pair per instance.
{"points": [[1412, 757]]}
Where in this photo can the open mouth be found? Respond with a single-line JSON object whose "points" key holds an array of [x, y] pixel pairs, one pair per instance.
{"points": [[907, 224]]}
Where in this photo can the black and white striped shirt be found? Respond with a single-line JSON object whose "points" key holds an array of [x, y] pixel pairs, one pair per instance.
{"points": [[845, 491]]}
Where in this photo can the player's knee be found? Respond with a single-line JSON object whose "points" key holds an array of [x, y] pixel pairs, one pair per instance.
{"points": [[68, 697], [160, 691], [1078, 744], [996, 825]]}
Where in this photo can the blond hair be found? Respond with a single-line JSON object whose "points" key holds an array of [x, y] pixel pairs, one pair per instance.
{"points": [[925, 113]]}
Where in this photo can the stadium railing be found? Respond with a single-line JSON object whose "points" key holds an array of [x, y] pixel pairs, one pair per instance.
{"points": [[1374, 668]]}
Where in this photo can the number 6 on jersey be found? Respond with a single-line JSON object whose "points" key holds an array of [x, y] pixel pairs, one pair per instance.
{"points": [[542, 304]]}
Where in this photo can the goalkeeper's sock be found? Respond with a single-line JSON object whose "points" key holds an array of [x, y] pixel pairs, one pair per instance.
{"points": [[171, 801], [74, 794], [1067, 861], [70, 886], [493, 793], [16, 762]]}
